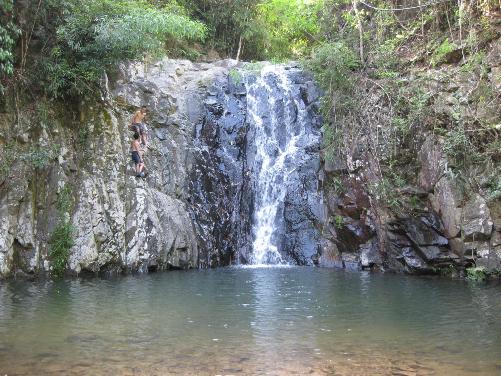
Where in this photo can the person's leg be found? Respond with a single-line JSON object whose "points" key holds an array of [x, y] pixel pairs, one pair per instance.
{"points": [[137, 161], [143, 135]]}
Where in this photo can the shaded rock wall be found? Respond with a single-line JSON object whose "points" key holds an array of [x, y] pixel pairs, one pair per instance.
{"points": [[454, 222]]}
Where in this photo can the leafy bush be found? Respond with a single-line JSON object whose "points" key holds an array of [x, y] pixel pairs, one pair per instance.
{"points": [[93, 35], [235, 76], [336, 184], [385, 192], [271, 30], [331, 64], [441, 51], [338, 221], [476, 274], [61, 239], [456, 144], [289, 26], [64, 200], [8, 156], [8, 35], [494, 188]]}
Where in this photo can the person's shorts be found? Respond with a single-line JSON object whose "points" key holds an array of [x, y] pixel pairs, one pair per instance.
{"points": [[135, 157], [139, 128]]}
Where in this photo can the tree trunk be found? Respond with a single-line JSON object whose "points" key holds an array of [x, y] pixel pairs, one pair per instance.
{"points": [[360, 30], [239, 48]]}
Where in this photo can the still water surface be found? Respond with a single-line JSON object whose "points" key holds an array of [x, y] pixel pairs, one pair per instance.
{"points": [[263, 321]]}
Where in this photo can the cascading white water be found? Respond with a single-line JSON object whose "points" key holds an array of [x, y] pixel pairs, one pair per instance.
{"points": [[277, 117]]}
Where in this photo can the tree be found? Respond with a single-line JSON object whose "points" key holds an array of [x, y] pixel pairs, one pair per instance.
{"points": [[83, 39]]}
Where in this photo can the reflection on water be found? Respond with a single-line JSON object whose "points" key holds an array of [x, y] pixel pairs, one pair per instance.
{"points": [[277, 321]]}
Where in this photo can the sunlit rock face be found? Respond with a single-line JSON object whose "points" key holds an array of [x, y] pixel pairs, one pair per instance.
{"points": [[121, 223]]}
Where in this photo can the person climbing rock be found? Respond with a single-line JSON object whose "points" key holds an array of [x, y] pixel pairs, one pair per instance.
{"points": [[138, 126], [137, 156]]}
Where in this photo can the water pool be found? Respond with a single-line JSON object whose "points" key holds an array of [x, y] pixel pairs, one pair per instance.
{"points": [[269, 321]]}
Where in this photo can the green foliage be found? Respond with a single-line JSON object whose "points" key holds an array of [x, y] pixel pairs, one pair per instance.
{"points": [[494, 186], [445, 271], [40, 156], [62, 237], [228, 24], [8, 157], [456, 144], [410, 109], [273, 29], [290, 26], [385, 192], [441, 51], [254, 67], [475, 62], [336, 184], [89, 37], [338, 221], [63, 203], [331, 64], [235, 76], [414, 202], [44, 114], [61, 241], [8, 34], [476, 274], [37, 156]]}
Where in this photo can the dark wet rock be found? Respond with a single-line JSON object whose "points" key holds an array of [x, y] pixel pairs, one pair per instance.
{"points": [[334, 165], [457, 246], [224, 183], [420, 233], [490, 261], [413, 261], [418, 243]]}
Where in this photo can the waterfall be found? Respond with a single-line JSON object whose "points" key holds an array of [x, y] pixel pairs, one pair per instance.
{"points": [[277, 115], [254, 185]]}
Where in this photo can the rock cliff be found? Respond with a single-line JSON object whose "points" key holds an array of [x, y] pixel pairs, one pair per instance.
{"points": [[425, 200], [70, 166], [68, 177], [120, 222]]}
